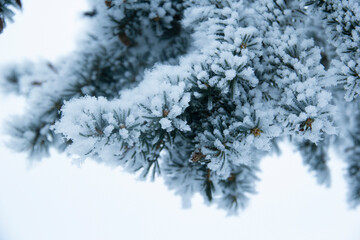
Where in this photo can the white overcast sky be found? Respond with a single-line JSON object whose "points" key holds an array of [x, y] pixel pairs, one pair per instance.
{"points": [[55, 200]]}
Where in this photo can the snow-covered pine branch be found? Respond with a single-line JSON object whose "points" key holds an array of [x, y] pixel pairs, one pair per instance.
{"points": [[341, 22], [198, 91]]}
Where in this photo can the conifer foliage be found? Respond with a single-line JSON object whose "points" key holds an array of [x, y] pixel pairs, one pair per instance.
{"points": [[198, 92], [6, 13]]}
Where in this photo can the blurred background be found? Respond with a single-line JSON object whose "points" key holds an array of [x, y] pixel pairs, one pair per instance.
{"points": [[55, 199]]}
